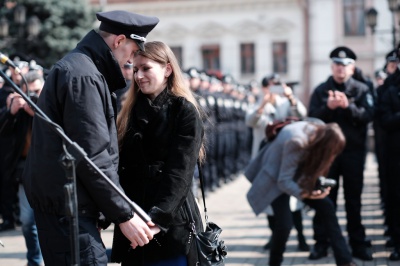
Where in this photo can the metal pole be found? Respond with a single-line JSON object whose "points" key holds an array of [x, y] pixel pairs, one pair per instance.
{"points": [[393, 30]]}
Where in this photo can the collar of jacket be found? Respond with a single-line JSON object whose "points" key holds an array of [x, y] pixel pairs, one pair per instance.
{"points": [[146, 110], [95, 47], [340, 87]]}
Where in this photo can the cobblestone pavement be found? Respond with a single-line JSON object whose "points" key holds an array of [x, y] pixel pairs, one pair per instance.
{"points": [[245, 234]]}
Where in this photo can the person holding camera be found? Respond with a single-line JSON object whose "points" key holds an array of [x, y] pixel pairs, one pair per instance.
{"points": [[290, 165], [276, 102], [16, 128], [8, 188]]}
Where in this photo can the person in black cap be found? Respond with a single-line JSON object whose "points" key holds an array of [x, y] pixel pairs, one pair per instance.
{"points": [[392, 61], [348, 102], [79, 96], [388, 106]]}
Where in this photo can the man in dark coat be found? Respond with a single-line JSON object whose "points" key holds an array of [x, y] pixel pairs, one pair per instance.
{"points": [[78, 96], [348, 102]]}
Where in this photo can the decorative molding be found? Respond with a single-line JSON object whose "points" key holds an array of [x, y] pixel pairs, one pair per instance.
{"points": [[210, 29], [204, 6], [174, 30], [247, 27], [280, 25]]}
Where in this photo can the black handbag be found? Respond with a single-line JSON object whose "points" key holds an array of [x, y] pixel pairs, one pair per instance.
{"points": [[209, 249]]}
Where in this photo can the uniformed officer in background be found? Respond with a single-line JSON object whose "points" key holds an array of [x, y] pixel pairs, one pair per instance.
{"points": [[348, 102]]}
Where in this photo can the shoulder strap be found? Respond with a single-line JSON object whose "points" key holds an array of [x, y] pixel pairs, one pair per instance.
{"points": [[202, 190]]}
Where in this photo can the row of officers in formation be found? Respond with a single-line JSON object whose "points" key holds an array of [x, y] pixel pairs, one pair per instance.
{"points": [[235, 123]]}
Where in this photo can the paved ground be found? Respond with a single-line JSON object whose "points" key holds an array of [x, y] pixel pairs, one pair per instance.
{"points": [[245, 234]]}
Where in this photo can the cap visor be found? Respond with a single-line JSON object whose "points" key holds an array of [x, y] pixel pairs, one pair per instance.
{"points": [[343, 61], [140, 44]]}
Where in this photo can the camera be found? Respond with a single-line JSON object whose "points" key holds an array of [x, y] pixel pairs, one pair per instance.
{"points": [[34, 97], [323, 183]]}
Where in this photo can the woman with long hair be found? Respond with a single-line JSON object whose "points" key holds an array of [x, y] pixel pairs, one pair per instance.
{"points": [[160, 134], [290, 165]]}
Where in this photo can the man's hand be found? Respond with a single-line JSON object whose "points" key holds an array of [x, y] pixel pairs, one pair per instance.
{"points": [[137, 231], [344, 102], [333, 102], [15, 102], [28, 109]]}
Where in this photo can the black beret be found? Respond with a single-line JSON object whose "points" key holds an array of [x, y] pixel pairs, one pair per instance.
{"points": [[133, 26], [343, 55], [392, 56]]}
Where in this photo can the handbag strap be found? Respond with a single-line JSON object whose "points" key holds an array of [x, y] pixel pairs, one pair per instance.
{"points": [[202, 190]]}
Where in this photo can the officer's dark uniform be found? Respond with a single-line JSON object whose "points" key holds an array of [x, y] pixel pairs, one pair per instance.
{"points": [[390, 121], [388, 116], [380, 138], [353, 121], [77, 96]]}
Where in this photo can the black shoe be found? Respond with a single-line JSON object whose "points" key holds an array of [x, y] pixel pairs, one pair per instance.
{"points": [[7, 225], [303, 246], [395, 255], [362, 253], [386, 233], [389, 243], [267, 246], [368, 243], [318, 252]]}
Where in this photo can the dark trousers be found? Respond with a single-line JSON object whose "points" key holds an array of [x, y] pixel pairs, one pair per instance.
{"points": [[54, 239], [349, 165], [393, 197], [284, 223]]}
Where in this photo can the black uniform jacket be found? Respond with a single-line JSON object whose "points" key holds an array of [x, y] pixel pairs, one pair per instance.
{"points": [[390, 117], [354, 119], [157, 162], [77, 96]]}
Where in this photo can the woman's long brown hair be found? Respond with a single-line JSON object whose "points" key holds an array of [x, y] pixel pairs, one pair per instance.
{"points": [[162, 54], [324, 145]]}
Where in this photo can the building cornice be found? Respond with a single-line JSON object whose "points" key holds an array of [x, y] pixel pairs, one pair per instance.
{"points": [[204, 6]]}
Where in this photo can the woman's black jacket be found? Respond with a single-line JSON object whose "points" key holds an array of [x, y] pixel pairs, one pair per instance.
{"points": [[157, 162]]}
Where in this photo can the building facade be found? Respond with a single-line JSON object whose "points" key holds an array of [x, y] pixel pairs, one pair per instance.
{"points": [[253, 38]]}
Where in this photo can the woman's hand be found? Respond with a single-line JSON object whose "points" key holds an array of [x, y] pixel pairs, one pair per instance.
{"points": [[319, 194]]}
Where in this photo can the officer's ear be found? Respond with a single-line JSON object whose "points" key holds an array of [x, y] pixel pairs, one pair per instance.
{"points": [[118, 40]]}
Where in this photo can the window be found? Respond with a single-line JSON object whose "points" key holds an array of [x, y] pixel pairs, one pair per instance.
{"points": [[210, 57], [247, 58], [279, 57], [177, 50], [354, 18]]}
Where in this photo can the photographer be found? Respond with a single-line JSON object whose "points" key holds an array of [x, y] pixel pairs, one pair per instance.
{"points": [[16, 128], [276, 102], [8, 191], [290, 166]]}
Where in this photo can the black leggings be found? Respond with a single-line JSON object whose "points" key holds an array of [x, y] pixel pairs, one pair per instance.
{"points": [[284, 223]]}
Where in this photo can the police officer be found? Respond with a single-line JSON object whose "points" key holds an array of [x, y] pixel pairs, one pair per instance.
{"points": [[389, 115], [348, 102], [386, 116], [77, 96], [380, 138]]}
